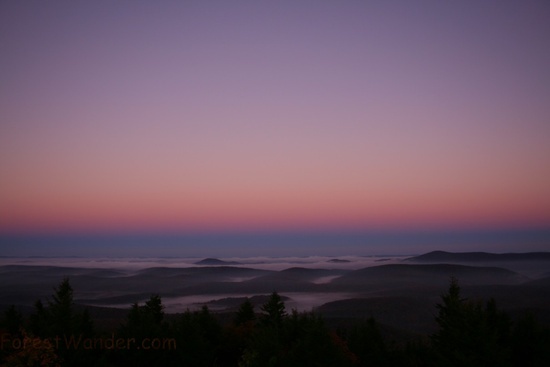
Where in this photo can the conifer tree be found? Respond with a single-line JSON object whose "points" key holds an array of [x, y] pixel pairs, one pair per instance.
{"points": [[469, 333], [13, 320], [154, 308], [39, 320], [245, 313], [61, 309], [274, 310]]}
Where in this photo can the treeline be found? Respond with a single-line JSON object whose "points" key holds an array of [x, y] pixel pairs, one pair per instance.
{"points": [[469, 334]]}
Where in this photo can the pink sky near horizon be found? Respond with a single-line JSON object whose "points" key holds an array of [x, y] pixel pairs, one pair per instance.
{"points": [[241, 115]]}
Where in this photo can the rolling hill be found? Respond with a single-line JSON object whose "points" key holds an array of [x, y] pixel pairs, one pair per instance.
{"points": [[445, 257]]}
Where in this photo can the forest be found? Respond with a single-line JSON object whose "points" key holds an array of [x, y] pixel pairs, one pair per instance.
{"points": [[469, 333]]}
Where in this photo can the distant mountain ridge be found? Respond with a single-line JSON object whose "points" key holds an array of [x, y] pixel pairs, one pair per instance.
{"points": [[214, 261], [403, 275], [443, 256]]}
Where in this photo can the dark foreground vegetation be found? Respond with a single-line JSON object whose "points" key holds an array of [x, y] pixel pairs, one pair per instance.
{"points": [[469, 333]]}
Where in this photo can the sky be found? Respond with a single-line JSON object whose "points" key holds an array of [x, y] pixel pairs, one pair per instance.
{"points": [[274, 116]]}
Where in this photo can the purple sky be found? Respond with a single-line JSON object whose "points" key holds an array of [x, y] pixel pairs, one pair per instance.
{"points": [[246, 115]]}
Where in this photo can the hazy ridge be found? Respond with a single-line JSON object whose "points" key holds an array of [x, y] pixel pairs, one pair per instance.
{"points": [[442, 256], [401, 293]]}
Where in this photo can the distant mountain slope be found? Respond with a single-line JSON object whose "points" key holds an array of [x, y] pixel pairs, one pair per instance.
{"points": [[407, 313], [202, 270], [543, 282], [213, 261], [297, 275], [404, 276], [233, 303], [443, 256], [24, 284]]}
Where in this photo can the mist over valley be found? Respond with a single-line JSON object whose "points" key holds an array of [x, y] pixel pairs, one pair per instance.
{"points": [[337, 287]]}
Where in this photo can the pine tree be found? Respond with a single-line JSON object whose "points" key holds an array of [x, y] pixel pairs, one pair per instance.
{"points": [[245, 314], [39, 320], [451, 315], [134, 316], [60, 320], [61, 309], [154, 309], [274, 310], [469, 333], [13, 320], [366, 342]]}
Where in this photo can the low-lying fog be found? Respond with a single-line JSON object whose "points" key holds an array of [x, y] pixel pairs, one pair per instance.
{"points": [[223, 283], [301, 301], [262, 262]]}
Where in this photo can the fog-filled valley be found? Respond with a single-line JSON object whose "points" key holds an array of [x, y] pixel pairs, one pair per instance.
{"points": [[337, 311], [399, 291]]}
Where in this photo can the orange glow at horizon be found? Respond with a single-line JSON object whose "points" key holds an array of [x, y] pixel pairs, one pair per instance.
{"points": [[278, 210]]}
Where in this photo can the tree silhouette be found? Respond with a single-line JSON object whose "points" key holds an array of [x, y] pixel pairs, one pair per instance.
{"points": [[469, 333], [59, 318], [154, 309], [144, 323], [450, 317], [274, 310], [147, 318], [530, 343], [38, 320], [301, 339], [245, 314], [365, 341], [198, 337], [60, 321], [61, 309], [13, 320]]}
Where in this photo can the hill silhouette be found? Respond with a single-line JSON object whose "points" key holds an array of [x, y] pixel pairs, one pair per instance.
{"points": [[213, 261], [443, 256], [395, 276], [23, 284]]}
